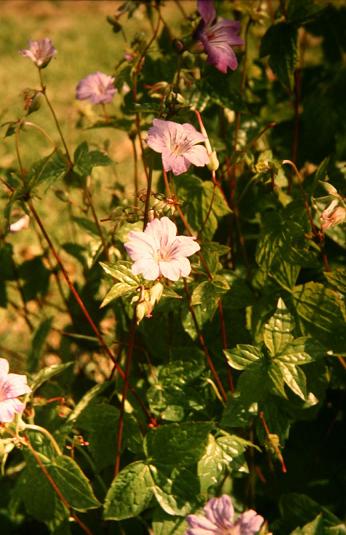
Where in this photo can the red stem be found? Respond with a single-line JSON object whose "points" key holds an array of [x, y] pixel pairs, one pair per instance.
{"points": [[83, 308], [124, 395]]}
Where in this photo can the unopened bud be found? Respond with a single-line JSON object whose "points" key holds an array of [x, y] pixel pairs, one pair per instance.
{"points": [[213, 164], [156, 293]]}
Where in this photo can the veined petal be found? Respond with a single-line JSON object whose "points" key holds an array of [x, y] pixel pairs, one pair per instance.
{"points": [[141, 244], [249, 522], [220, 511], [147, 267], [184, 246], [159, 135], [171, 269], [168, 232], [194, 135], [202, 523], [197, 155], [15, 385], [9, 408], [172, 162], [207, 10]]}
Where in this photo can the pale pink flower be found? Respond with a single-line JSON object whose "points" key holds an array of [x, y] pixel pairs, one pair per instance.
{"points": [[12, 385], [21, 224], [96, 87], [159, 251], [333, 215], [217, 36], [178, 144], [40, 52], [217, 519]]}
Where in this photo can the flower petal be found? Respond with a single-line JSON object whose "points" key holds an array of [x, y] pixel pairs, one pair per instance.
{"points": [[9, 408], [207, 10], [249, 522], [15, 385], [184, 246], [197, 155], [4, 367], [146, 267]]}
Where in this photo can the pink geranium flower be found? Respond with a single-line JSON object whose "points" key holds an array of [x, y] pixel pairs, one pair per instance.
{"points": [[178, 144], [12, 385], [217, 36], [159, 251], [217, 519], [40, 52], [96, 87]]}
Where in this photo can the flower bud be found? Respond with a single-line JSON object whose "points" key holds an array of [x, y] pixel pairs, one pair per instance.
{"points": [[213, 164], [156, 293]]}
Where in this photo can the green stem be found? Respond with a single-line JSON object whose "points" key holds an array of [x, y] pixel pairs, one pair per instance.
{"points": [[44, 93]]}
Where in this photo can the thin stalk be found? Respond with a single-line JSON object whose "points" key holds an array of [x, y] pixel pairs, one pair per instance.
{"points": [[135, 170], [56, 488], [316, 232], [274, 446], [147, 198], [83, 308], [124, 395], [43, 431], [42, 130], [96, 221], [134, 93], [44, 93], [204, 347]]}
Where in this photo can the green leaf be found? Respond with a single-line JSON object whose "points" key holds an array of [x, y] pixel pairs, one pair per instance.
{"points": [[316, 527], [37, 345], [294, 378], [277, 332], [73, 484], [337, 279], [117, 290], [164, 524], [242, 356], [36, 278], [226, 453], [38, 494], [99, 421], [322, 314], [301, 12], [40, 500], [48, 171], [130, 492], [122, 272], [87, 225], [7, 271], [47, 373], [301, 351], [85, 160], [280, 43], [203, 204], [175, 492], [175, 444], [86, 399]]}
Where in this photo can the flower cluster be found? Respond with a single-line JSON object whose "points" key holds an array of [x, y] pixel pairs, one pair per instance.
{"points": [[158, 251], [12, 385], [40, 52], [217, 36], [96, 87], [218, 519]]}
